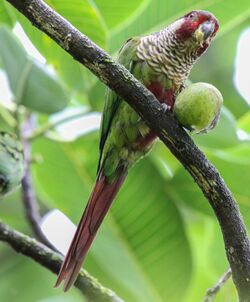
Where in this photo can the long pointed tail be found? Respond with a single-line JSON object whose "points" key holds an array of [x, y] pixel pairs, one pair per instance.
{"points": [[95, 211]]}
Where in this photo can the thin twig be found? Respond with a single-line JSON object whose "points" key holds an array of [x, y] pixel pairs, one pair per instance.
{"points": [[90, 287], [117, 78], [213, 291], [28, 193]]}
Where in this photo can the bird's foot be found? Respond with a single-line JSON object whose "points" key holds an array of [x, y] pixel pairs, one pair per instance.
{"points": [[166, 107]]}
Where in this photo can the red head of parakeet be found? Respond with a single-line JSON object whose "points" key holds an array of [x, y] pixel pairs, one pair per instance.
{"points": [[162, 61]]}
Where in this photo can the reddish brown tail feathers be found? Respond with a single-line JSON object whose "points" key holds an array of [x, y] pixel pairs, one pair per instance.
{"points": [[95, 211]]}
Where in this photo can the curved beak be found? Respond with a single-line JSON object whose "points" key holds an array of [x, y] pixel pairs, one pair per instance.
{"points": [[205, 31], [208, 29]]}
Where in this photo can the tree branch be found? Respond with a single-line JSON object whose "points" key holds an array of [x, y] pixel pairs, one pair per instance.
{"points": [[92, 290], [28, 194], [174, 137]]}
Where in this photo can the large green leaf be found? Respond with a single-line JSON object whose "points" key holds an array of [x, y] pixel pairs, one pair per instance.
{"points": [[234, 166], [236, 172], [154, 13], [11, 211], [159, 13], [117, 12], [244, 123], [223, 136], [31, 82], [144, 235], [238, 155], [6, 13], [62, 184], [210, 260], [84, 16], [13, 57], [150, 222], [186, 193], [35, 286]]}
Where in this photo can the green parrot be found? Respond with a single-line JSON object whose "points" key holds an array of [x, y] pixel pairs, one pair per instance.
{"points": [[162, 61], [11, 163]]}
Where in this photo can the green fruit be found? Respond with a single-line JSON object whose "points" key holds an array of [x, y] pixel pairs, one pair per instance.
{"points": [[198, 107], [11, 163]]}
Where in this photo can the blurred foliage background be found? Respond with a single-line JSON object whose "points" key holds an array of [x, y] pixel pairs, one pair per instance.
{"points": [[161, 241]]}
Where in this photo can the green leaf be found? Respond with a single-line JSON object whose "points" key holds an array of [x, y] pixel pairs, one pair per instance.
{"points": [[209, 260], [73, 123], [60, 182], [31, 82], [236, 172], [85, 17], [43, 91], [150, 222], [153, 14], [23, 280], [115, 13], [234, 166], [185, 192], [159, 13], [224, 135], [11, 210], [13, 57], [142, 240], [7, 16], [239, 154], [164, 160], [244, 122]]}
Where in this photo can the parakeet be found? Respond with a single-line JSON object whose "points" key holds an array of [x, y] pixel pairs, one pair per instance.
{"points": [[162, 61], [11, 163]]}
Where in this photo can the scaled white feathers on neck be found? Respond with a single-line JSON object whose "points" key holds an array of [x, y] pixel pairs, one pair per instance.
{"points": [[166, 54]]}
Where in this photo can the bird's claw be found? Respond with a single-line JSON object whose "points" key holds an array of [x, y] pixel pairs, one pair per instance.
{"points": [[166, 107]]}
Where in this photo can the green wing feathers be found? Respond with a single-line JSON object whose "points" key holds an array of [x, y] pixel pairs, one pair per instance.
{"points": [[127, 57]]}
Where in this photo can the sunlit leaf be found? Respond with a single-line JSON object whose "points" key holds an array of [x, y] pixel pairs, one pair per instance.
{"points": [[159, 13], [31, 82], [144, 235], [239, 154], [117, 12], [223, 136], [74, 122], [244, 123], [234, 166], [85, 17], [211, 262], [14, 287], [7, 15]]}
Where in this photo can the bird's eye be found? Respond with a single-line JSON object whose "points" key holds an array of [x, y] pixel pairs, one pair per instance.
{"points": [[192, 17]]}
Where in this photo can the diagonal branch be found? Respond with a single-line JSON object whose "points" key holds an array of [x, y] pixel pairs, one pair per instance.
{"points": [[115, 76], [90, 287]]}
